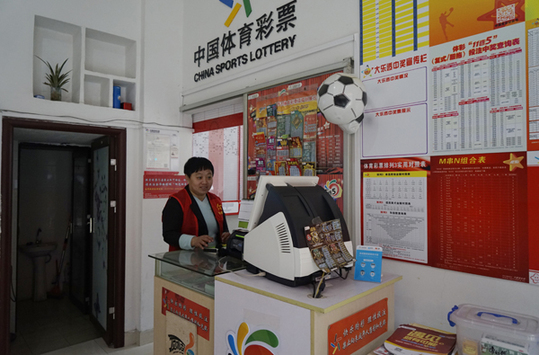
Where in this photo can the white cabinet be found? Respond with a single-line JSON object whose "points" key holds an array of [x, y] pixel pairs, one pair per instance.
{"points": [[296, 323], [98, 61]]}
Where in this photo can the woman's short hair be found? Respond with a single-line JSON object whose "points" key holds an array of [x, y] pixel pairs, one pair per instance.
{"points": [[195, 164]]}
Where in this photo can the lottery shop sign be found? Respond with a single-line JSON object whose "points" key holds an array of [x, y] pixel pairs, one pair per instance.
{"points": [[354, 332], [258, 38]]}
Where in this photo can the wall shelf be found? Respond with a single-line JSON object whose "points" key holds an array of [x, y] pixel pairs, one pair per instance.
{"points": [[97, 60]]}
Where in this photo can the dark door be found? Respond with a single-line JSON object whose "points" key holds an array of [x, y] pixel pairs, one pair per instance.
{"points": [[115, 289], [102, 213], [81, 272]]}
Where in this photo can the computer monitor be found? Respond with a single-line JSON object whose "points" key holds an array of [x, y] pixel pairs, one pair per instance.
{"points": [[275, 242]]}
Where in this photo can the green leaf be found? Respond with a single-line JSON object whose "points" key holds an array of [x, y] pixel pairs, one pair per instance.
{"points": [[55, 77]]}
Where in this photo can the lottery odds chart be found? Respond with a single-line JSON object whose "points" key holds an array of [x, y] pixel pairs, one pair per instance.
{"points": [[467, 213]]}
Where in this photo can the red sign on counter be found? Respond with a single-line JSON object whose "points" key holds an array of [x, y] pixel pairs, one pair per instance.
{"points": [[353, 332], [187, 309]]}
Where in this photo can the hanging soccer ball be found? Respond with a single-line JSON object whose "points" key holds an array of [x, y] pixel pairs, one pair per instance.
{"points": [[342, 99]]}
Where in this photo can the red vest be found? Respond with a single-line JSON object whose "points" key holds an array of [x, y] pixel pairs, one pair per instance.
{"points": [[190, 221]]}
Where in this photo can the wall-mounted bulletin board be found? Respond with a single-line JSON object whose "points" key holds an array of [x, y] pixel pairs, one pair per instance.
{"points": [[289, 136], [450, 139]]}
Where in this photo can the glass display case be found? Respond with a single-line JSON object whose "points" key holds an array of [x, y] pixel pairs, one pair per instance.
{"points": [[195, 270]]}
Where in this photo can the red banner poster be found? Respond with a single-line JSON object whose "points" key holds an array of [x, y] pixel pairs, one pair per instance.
{"points": [[533, 221], [188, 310], [332, 182], [479, 214], [354, 332], [162, 184]]}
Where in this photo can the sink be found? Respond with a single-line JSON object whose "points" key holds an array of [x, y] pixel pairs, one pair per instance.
{"points": [[40, 254], [36, 250]]}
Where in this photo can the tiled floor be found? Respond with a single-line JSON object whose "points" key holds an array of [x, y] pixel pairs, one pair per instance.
{"points": [[98, 347], [50, 325], [57, 327]]}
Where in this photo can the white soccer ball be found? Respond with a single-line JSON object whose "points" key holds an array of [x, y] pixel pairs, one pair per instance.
{"points": [[342, 99]]}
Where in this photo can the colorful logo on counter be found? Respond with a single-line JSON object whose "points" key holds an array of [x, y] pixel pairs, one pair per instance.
{"points": [[260, 342], [235, 9], [333, 188], [177, 346]]}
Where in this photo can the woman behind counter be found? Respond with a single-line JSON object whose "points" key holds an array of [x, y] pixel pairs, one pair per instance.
{"points": [[193, 217]]}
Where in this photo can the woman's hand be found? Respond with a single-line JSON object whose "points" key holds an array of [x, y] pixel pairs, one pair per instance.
{"points": [[224, 237], [201, 241]]}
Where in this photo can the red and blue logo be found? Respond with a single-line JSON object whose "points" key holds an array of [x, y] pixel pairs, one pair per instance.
{"points": [[235, 9], [260, 342]]}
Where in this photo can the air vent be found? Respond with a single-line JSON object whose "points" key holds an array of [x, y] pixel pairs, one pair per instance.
{"points": [[284, 241]]}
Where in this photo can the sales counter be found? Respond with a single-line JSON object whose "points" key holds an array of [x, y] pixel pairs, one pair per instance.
{"points": [[184, 299], [210, 305], [351, 317]]}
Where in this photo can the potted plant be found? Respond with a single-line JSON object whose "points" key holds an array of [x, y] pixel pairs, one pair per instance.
{"points": [[56, 79]]}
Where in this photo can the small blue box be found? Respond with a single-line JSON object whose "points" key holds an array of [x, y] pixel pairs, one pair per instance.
{"points": [[368, 263], [116, 96]]}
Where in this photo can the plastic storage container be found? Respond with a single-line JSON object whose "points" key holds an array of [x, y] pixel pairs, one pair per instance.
{"points": [[489, 331]]}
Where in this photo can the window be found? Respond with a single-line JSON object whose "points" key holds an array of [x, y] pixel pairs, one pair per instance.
{"points": [[220, 139]]}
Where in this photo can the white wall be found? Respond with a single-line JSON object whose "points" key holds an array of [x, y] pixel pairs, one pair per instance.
{"points": [[426, 294], [318, 24], [153, 25], [166, 81]]}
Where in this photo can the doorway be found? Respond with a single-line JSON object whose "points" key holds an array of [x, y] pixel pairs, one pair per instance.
{"points": [[14, 131]]}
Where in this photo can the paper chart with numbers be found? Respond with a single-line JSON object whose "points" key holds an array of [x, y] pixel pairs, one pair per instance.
{"points": [[533, 84], [395, 213], [478, 87]]}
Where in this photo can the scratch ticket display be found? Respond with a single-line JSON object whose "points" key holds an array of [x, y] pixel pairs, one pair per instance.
{"points": [[282, 149], [283, 125], [271, 148], [260, 165], [309, 150], [262, 126], [294, 168], [295, 147], [272, 126], [270, 166], [296, 124], [310, 125], [271, 110], [308, 169], [260, 145], [326, 245], [280, 168]]}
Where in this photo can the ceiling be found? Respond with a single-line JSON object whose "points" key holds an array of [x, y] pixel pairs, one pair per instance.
{"points": [[28, 135]]}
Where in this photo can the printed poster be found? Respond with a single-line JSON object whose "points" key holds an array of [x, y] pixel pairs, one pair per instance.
{"points": [[533, 221], [161, 150], [395, 207], [396, 116], [455, 20], [162, 184], [532, 28], [479, 214], [478, 86]]}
